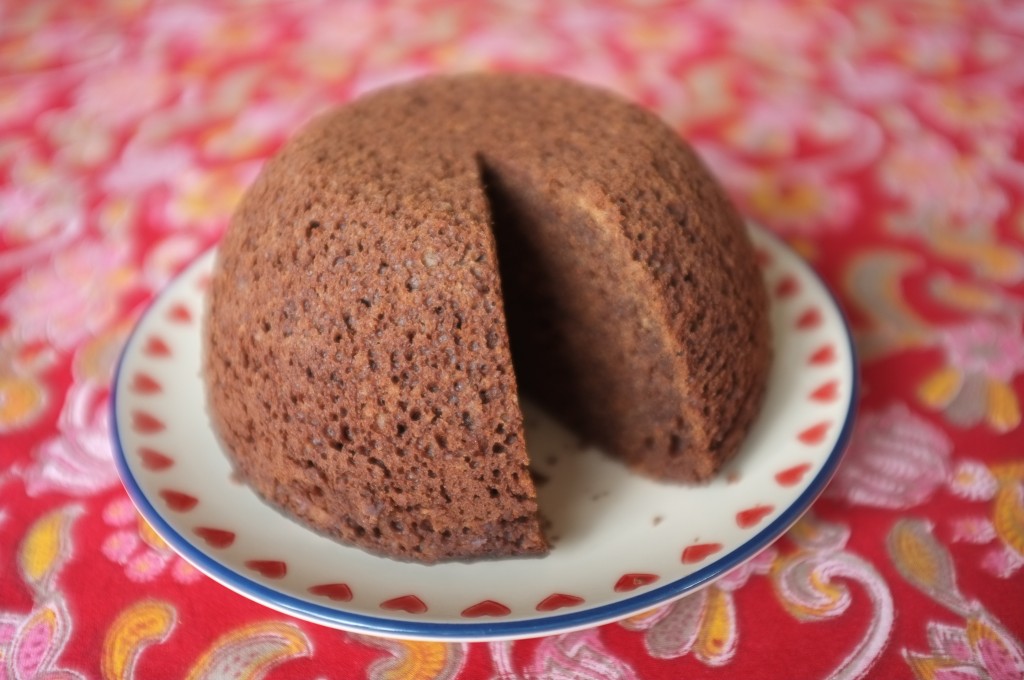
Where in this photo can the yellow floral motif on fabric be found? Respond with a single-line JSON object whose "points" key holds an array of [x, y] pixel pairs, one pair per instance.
{"points": [[874, 282], [967, 296], [1003, 407], [96, 358], [46, 547], [205, 196], [990, 259], [414, 660], [928, 667], [939, 389], [919, 557], [718, 628], [796, 201], [828, 597], [1008, 516], [249, 652], [140, 625], [152, 539], [22, 398]]}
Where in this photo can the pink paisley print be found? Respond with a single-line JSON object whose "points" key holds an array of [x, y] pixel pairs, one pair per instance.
{"points": [[1002, 561], [66, 300], [760, 23], [1002, 489], [142, 167], [702, 624], [986, 348], [981, 649], [123, 93], [925, 165], [41, 212], [169, 258], [738, 577], [983, 358], [972, 530], [77, 461], [973, 481], [577, 656], [896, 459], [31, 644], [961, 109]]}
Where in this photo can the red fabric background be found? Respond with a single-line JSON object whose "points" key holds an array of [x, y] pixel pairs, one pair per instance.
{"points": [[882, 141]]}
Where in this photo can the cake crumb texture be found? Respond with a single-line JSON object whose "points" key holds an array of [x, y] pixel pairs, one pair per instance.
{"points": [[411, 260]]}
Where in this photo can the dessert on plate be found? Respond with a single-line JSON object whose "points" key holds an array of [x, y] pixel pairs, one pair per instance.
{"points": [[409, 262]]}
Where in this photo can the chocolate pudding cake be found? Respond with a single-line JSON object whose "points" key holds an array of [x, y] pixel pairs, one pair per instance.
{"points": [[409, 262]]}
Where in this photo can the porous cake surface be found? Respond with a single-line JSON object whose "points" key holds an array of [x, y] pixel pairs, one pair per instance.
{"points": [[407, 262]]}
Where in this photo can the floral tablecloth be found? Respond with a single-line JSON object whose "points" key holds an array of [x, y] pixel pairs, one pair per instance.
{"points": [[883, 141]]}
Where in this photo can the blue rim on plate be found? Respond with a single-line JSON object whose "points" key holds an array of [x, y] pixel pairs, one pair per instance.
{"points": [[482, 629]]}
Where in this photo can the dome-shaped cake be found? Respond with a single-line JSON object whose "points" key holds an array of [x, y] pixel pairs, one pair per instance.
{"points": [[411, 260]]}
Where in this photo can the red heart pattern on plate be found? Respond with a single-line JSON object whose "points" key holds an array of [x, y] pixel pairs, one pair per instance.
{"points": [[156, 347], [809, 319], [143, 383], [792, 476], [814, 434], [216, 538], [628, 582], [825, 354], [154, 460], [146, 423], [752, 516], [179, 313], [338, 592], [826, 392], [486, 608], [178, 500], [787, 286], [699, 552], [268, 568], [557, 601], [405, 603]]}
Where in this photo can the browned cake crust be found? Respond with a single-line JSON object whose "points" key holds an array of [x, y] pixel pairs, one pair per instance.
{"points": [[358, 357]]}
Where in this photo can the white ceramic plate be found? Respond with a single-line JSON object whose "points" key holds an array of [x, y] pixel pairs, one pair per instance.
{"points": [[621, 544]]}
